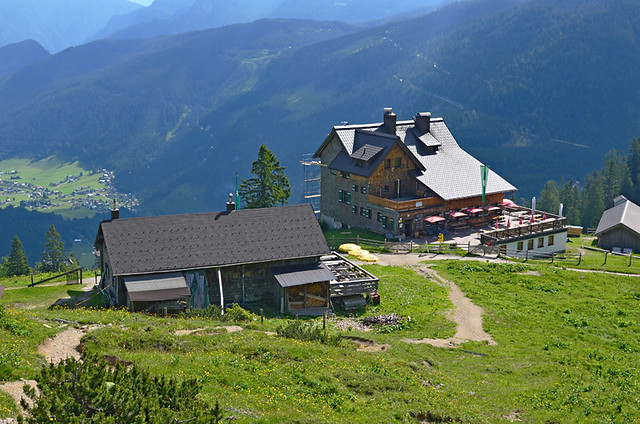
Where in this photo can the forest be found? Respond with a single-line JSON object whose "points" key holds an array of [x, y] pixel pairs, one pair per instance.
{"points": [[584, 202]]}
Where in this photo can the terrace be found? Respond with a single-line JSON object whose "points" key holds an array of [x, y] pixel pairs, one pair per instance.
{"points": [[518, 222]]}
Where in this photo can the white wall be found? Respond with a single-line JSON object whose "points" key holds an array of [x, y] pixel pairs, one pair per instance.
{"points": [[559, 245]]}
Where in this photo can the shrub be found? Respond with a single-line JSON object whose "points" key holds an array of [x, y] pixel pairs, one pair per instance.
{"points": [[93, 392], [307, 331], [238, 314], [210, 312]]}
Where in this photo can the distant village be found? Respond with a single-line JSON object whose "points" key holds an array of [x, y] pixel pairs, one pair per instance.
{"points": [[16, 191]]}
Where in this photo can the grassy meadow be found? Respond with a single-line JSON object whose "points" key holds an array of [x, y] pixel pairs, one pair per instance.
{"points": [[568, 351]]}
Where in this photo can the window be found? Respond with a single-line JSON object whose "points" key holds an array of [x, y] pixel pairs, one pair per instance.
{"points": [[503, 249], [398, 163], [384, 221], [541, 242], [387, 163], [386, 188], [346, 175], [380, 216], [340, 196], [391, 224], [520, 246], [354, 209], [354, 187], [348, 197], [363, 189], [365, 212], [530, 244], [550, 243]]}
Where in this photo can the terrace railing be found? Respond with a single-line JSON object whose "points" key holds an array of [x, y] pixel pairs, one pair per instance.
{"points": [[403, 205], [490, 237]]}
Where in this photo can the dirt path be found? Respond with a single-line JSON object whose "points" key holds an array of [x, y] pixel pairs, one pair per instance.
{"points": [[63, 345], [466, 315]]}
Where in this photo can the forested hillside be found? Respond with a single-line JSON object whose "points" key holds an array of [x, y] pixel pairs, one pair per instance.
{"points": [[15, 56], [536, 89]]}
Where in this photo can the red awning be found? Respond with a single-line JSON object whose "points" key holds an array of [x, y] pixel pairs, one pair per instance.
{"points": [[434, 219], [475, 210], [493, 208], [508, 202], [458, 214]]}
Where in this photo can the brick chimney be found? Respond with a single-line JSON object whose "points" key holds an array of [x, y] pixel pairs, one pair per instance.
{"points": [[115, 212], [389, 120], [231, 205], [423, 122]]}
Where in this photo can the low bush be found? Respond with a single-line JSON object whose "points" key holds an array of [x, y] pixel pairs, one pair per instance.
{"points": [[308, 331], [91, 391]]}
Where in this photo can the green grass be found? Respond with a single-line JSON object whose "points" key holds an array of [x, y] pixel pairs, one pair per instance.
{"points": [[593, 260], [52, 171], [568, 351], [37, 296]]}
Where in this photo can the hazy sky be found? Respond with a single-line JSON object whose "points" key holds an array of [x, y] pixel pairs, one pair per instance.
{"points": [[143, 2]]}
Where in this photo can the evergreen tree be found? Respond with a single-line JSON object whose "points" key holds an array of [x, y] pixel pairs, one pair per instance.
{"points": [[53, 252], [592, 200], [270, 186], [550, 197], [615, 177], [570, 198], [633, 163], [16, 263]]}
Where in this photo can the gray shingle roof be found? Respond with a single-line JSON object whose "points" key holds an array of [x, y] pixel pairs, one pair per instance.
{"points": [[450, 172], [366, 152], [625, 213], [299, 275], [196, 241]]}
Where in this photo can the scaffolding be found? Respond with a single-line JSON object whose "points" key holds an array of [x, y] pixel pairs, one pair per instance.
{"points": [[311, 181]]}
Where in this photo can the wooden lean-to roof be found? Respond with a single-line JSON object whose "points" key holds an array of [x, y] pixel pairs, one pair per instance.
{"points": [[197, 241]]}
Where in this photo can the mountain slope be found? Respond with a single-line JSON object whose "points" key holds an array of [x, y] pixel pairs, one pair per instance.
{"points": [[56, 24], [17, 55], [528, 87]]}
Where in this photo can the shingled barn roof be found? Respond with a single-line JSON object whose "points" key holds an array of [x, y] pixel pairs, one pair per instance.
{"points": [[196, 241]]}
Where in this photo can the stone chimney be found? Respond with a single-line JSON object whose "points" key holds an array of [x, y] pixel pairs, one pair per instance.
{"points": [[389, 120], [231, 205], [423, 122], [115, 212]]}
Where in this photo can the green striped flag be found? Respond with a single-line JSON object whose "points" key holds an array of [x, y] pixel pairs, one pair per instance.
{"points": [[484, 174]]}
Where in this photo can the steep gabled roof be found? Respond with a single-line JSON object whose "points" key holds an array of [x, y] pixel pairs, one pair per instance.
{"points": [[624, 213], [445, 168], [196, 241]]}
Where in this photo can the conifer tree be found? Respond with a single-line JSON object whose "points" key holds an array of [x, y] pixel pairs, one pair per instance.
{"points": [[550, 197], [570, 198], [593, 200], [53, 251], [270, 186], [16, 263]]}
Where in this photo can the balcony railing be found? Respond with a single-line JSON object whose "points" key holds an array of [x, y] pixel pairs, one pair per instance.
{"points": [[406, 204], [541, 227]]}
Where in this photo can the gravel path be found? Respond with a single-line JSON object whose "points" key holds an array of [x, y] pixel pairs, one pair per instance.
{"points": [[466, 315]]}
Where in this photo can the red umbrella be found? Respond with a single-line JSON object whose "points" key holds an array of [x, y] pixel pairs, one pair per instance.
{"points": [[544, 216], [520, 221], [509, 223], [497, 223], [434, 219], [508, 202]]}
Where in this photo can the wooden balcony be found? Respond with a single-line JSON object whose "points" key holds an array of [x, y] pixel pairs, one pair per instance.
{"points": [[406, 204], [550, 225]]}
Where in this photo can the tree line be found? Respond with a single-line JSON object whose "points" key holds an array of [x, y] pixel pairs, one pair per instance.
{"points": [[585, 202], [54, 258]]}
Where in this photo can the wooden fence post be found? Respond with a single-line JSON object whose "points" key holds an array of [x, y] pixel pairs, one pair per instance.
{"points": [[552, 255], [630, 259], [357, 238], [605, 258], [526, 256], [333, 241], [261, 316], [580, 258], [31, 278], [410, 246]]}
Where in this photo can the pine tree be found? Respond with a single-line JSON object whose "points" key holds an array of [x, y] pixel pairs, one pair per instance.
{"points": [[550, 197], [615, 177], [633, 163], [570, 198], [53, 252], [16, 263], [593, 200], [270, 186]]}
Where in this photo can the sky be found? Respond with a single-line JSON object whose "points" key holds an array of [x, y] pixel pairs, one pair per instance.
{"points": [[143, 2]]}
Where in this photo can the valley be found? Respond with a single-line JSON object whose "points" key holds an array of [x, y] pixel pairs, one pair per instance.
{"points": [[51, 186]]}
